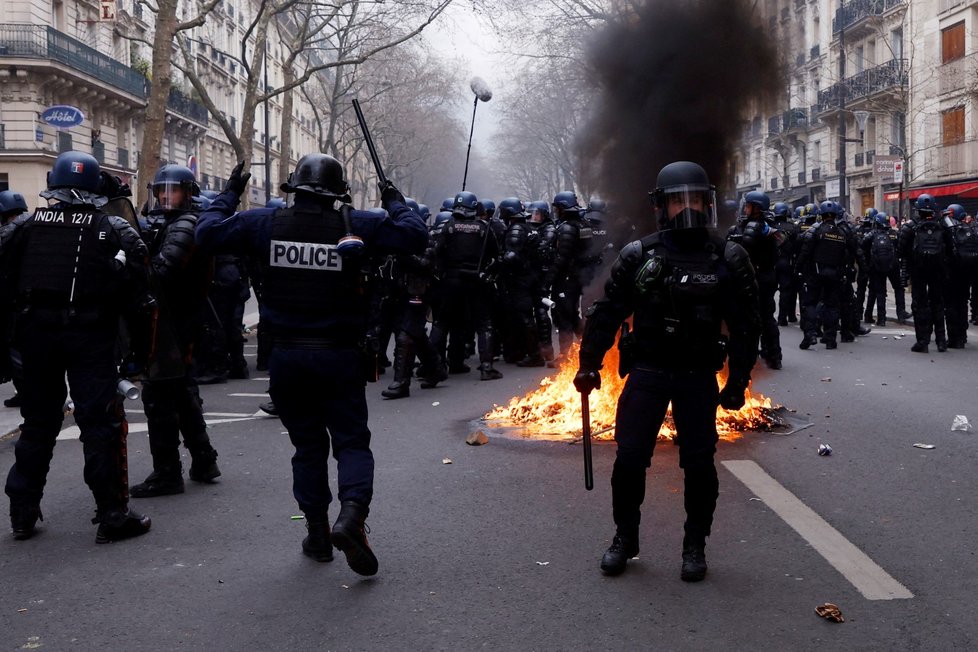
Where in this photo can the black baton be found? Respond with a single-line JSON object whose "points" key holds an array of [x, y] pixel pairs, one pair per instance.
{"points": [[586, 434], [370, 143]]}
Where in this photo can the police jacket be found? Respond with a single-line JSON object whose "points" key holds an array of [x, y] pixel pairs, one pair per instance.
{"points": [[828, 251], [75, 260], [465, 247], [518, 244], [964, 240], [308, 289], [925, 245], [572, 246], [762, 242], [680, 286], [789, 249]]}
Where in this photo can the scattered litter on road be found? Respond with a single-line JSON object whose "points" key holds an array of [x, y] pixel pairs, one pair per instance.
{"points": [[543, 563], [824, 450], [344, 586], [830, 612], [220, 581], [885, 337], [297, 517], [961, 424], [826, 380], [925, 446], [755, 498], [22, 611], [477, 438], [436, 404], [33, 642], [446, 461]]}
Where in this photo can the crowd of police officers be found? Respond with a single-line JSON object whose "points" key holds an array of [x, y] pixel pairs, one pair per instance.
{"points": [[94, 290]]}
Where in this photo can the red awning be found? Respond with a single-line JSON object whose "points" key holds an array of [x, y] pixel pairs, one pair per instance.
{"points": [[967, 189]]}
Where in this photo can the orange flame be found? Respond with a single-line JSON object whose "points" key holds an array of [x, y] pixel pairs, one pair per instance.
{"points": [[553, 411]]}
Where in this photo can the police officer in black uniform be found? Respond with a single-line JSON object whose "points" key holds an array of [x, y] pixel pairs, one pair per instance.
{"points": [[964, 271], [867, 225], [787, 284], [12, 205], [827, 251], [76, 271], [542, 266], [573, 260], [880, 253], [171, 398], [763, 243], [465, 249], [313, 306], [680, 285], [926, 246]]}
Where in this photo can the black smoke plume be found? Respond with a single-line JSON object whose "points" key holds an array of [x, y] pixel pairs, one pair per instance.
{"points": [[675, 80]]}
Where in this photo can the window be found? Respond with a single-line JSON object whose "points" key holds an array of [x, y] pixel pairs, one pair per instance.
{"points": [[4, 182], [64, 141], [898, 130], [952, 42], [896, 43], [860, 59], [952, 126]]}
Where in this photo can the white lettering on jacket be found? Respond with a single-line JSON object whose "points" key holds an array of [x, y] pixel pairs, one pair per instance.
{"points": [[305, 255]]}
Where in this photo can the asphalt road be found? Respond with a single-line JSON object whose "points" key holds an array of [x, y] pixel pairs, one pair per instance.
{"points": [[500, 548]]}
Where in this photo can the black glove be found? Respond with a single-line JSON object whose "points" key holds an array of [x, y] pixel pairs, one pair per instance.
{"points": [[238, 181], [587, 380], [389, 193], [732, 396]]}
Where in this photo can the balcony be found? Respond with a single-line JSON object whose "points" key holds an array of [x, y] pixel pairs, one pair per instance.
{"points": [[958, 75], [794, 118], [43, 42], [858, 16], [774, 125], [890, 76], [953, 160], [183, 105]]}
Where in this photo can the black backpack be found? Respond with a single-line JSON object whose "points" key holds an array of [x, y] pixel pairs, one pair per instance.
{"points": [[966, 244], [882, 253], [928, 243]]}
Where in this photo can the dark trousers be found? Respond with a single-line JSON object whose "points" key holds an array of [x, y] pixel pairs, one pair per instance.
{"points": [[956, 300], [820, 306], [767, 286], [173, 408], [566, 295], [877, 295], [927, 303], [466, 306], [787, 292], [412, 339], [86, 354], [641, 410], [320, 396]]}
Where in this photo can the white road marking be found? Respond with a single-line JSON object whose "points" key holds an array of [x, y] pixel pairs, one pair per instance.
{"points": [[250, 318], [266, 379], [250, 355], [240, 415], [247, 395], [864, 574], [73, 432], [893, 331]]}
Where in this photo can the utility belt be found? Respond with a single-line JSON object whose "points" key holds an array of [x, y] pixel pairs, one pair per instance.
{"points": [[672, 355], [367, 348], [71, 316]]}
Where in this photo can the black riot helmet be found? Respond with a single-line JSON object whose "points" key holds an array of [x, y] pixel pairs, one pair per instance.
{"points": [[412, 204], [511, 208], [447, 204], [12, 204], [684, 197], [539, 211], [466, 204], [75, 179], [597, 205], [758, 199], [320, 175], [565, 203], [781, 212], [830, 210], [174, 188], [954, 211], [926, 206], [424, 212]]}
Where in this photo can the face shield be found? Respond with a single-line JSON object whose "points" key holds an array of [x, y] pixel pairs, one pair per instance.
{"points": [[687, 206], [171, 196]]}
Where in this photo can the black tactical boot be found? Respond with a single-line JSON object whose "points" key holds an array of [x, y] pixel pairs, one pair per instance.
{"points": [[863, 330], [164, 482], [349, 536], [919, 347], [807, 342], [316, 544], [23, 519], [694, 560], [203, 468], [431, 377], [831, 344], [782, 321], [487, 372], [532, 361], [397, 389], [941, 346], [117, 525], [459, 368], [268, 408], [615, 558], [13, 402]]}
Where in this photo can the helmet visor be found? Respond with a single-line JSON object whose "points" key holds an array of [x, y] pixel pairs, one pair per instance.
{"points": [[171, 196], [688, 206]]}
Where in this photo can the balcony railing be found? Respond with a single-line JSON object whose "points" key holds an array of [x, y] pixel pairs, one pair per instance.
{"points": [[794, 118], [856, 10], [774, 125], [43, 42], [892, 74], [180, 103]]}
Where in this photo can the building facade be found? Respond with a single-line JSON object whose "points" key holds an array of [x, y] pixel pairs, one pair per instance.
{"points": [[876, 88], [73, 52]]}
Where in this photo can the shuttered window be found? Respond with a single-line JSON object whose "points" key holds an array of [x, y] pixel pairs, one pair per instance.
{"points": [[952, 42], [952, 126]]}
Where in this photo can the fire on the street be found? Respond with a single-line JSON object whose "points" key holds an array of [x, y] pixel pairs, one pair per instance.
{"points": [[553, 411]]}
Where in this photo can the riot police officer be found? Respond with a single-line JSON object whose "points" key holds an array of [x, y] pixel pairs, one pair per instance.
{"points": [[867, 225], [880, 253], [925, 245], [541, 275], [787, 286], [465, 249], [12, 205], [763, 244], [680, 285], [573, 260], [312, 256], [74, 272], [964, 272], [171, 398], [827, 251]]}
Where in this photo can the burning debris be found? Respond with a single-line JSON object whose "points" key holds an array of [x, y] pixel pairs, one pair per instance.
{"points": [[553, 411]]}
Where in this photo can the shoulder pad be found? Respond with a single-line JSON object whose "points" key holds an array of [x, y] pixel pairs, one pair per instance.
{"points": [[632, 251], [735, 254]]}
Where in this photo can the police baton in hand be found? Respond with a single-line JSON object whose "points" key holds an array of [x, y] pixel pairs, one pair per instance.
{"points": [[586, 435], [381, 177]]}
